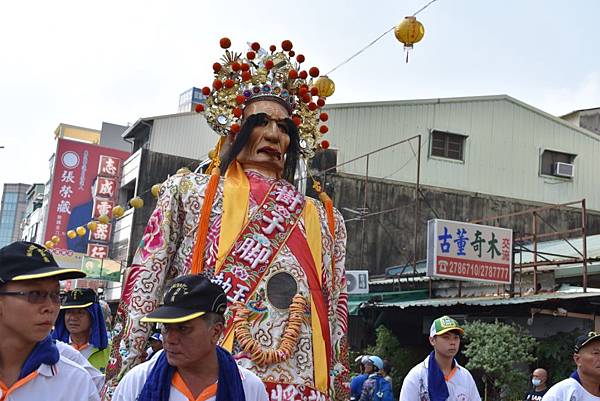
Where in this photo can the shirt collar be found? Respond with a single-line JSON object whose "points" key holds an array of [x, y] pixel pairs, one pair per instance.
{"points": [[48, 370], [426, 363]]}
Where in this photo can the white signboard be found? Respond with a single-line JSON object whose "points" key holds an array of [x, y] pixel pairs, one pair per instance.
{"points": [[472, 252]]}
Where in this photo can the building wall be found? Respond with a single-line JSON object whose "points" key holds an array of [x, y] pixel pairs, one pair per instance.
{"points": [[590, 120], [12, 210], [110, 136], [32, 222], [388, 237], [504, 142], [184, 135]]}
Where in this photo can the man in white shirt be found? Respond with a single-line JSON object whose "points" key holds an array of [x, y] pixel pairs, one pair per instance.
{"points": [[31, 367], [584, 383], [191, 366], [439, 376]]}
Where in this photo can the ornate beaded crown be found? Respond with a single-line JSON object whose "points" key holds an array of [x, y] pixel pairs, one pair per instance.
{"points": [[259, 74]]}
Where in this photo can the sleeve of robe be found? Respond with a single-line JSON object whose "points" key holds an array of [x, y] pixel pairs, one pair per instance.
{"points": [[339, 311]]}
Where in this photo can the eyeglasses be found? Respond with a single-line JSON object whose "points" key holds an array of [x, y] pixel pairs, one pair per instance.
{"points": [[35, 297]]}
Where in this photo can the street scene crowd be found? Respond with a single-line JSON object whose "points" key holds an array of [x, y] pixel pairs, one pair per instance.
{"points": [[238, 286]]}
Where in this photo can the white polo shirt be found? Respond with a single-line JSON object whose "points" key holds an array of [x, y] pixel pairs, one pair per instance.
{"points": [[63, 381], [461, 385], [131, 385], [71, 353], [569, 389]]}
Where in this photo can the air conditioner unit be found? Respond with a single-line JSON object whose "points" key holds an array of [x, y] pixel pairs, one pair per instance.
{"points": [[357, 281], [564, 170]]}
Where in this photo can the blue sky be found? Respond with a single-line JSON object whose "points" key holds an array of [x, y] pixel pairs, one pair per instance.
{"points": [[81, 63]]}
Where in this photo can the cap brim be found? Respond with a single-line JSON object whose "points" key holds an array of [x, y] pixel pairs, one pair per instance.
{"points": [[50, 272], [78, 306], [461, 331], [586, 342], [171, 314]]}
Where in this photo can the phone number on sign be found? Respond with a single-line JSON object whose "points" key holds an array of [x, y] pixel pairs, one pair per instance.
{"points": [[473, 270]]}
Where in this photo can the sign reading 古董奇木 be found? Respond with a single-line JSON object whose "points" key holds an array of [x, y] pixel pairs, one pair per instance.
{"points": [[472, 252]]}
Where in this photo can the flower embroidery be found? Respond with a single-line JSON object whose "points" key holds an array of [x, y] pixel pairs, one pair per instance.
{"points": [[240, 273], [152, 240]]}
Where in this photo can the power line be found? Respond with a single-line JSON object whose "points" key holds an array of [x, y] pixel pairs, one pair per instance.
{"points": [[375, 41]]}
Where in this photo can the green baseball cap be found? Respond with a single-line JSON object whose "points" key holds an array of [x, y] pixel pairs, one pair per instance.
{"points": [[443, 325]]}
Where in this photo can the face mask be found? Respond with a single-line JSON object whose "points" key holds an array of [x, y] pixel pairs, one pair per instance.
{"points": [[536, 382]]}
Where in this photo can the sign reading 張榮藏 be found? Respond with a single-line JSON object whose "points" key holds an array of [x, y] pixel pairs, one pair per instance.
{"points": [[472, 252]]}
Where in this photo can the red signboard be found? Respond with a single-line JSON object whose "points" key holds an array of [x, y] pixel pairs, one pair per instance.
{"points": [[97, 251], [101, 233], [106, 187], [103, 207], [74, 179], [465, 251], [109, 166]]}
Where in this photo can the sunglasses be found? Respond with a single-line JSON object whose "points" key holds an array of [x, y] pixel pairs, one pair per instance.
{"points": [[35, 297]]}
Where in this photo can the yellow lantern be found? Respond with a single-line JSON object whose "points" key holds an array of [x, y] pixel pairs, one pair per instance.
{"points": [[71, 234], [55, 239], [104, 219], [118, 211], [80, 231], [325, 86], [409, 31], [155, 190], [92, 225], [49, 244], [136, 202]]}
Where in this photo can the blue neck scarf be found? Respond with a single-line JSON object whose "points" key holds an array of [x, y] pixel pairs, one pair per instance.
{"points": [[575, 375], [158, 383], [44, 352], [436, 383], [98, 335]]}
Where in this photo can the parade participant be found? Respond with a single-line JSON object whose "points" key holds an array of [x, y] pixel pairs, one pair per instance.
{"points": [[356, 384], [31, 367], [386, 371], [192, 365], [156, 344], [439, 377], [376, 387], [81, 324], [278, 255], [539, 379], [584, 383]]}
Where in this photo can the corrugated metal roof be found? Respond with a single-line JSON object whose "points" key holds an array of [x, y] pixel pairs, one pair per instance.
{"points": [[570, 293], [561, 247]]}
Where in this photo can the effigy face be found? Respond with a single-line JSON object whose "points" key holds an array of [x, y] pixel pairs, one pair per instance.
{"points": [[265, 150]]}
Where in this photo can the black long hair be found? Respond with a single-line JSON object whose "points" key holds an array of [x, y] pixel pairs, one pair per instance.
{"points": [[241, 140]]}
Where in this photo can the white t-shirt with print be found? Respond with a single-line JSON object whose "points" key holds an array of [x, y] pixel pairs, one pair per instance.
{"points": [[461, 385], [569, 390], [131, 385]]}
